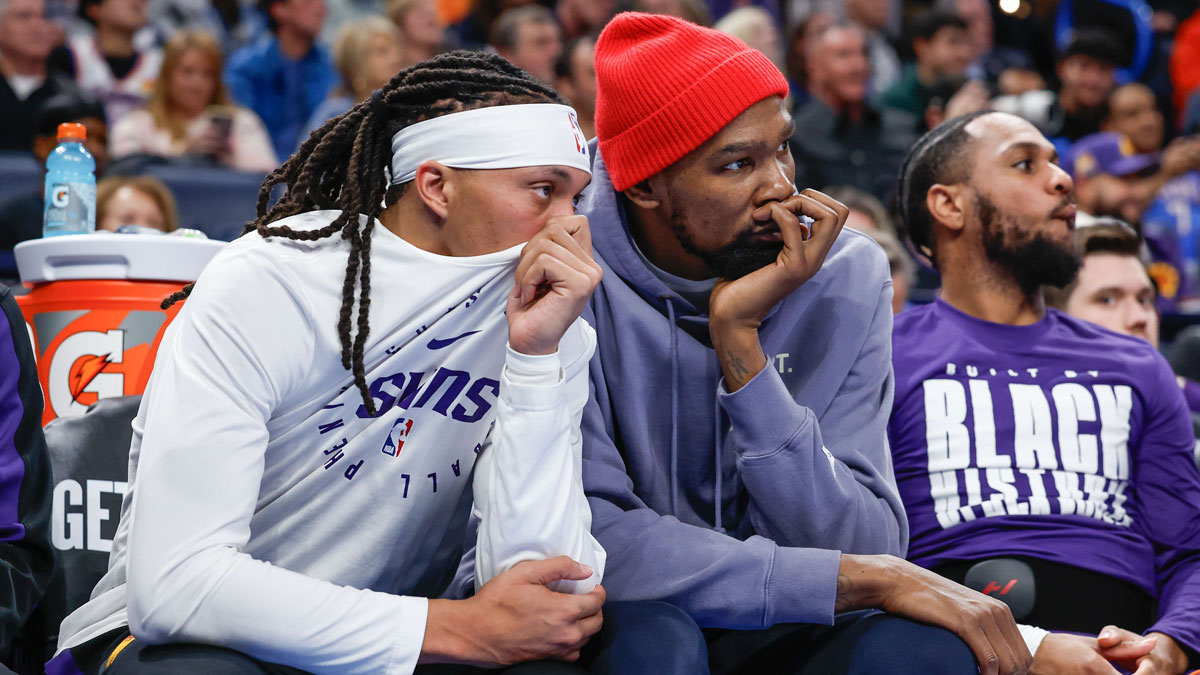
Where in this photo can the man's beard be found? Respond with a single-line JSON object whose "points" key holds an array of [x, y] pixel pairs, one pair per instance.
{"points": [[1033, 263], [732, 261]]}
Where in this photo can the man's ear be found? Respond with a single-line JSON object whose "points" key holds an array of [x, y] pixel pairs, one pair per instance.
{"points": [[646, 194], [948, 205], [434, 183]]}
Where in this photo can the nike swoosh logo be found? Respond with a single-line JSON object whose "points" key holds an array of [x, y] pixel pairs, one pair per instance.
{"points": [[442, 344]]}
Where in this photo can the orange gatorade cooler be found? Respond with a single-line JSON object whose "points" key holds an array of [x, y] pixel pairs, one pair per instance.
{"points": [[93, 310]]}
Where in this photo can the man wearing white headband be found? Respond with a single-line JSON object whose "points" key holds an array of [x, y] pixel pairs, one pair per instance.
{"points": [[336, 399]]}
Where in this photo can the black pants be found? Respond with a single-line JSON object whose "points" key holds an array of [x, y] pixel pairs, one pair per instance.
{"points": [[859, 643], [637, 637]]}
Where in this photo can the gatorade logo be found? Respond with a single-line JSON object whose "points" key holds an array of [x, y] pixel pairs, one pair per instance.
{"points": [[81, 371], [60, 196]]}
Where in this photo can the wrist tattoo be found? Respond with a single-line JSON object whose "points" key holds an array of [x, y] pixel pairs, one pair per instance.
{"points": [[844, 588]]}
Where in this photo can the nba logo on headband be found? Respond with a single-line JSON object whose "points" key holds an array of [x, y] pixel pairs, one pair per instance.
{"points": [[580, 139]]}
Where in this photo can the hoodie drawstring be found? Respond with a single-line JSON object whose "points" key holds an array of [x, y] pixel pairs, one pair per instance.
{"points": [[718, 422], [718, 417], [674, 339]]}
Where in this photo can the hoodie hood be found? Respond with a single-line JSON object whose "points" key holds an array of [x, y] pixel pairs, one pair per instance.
{"points": [[614, 243]]}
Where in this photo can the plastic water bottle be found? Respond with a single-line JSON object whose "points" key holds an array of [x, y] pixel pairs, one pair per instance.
{"points": [[70, 198]]}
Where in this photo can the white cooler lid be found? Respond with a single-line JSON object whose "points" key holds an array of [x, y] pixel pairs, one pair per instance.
{"points": [[114, 256]]}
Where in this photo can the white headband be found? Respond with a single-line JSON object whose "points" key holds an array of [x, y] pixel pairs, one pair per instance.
{"points": [[496, 137]]}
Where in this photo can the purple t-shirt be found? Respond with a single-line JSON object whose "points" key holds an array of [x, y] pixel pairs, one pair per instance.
{"points": [[1059, 440]]}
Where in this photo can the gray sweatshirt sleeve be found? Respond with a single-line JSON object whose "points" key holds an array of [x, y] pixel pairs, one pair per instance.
{"points": [[824, 482], [719, 580]]}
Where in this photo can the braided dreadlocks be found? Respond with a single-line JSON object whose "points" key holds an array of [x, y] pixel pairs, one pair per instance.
{"points": [[343, 165]]}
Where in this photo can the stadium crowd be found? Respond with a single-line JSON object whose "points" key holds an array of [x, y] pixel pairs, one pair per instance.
{"points": [[871, 327]]}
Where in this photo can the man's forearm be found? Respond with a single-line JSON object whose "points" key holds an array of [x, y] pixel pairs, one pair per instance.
{"points": [[738, 351]]}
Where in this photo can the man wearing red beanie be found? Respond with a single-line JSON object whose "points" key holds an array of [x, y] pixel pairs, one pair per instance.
{"points": [[735, 451]]}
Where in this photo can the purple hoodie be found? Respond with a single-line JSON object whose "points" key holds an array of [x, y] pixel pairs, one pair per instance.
{"points": [[804, 470]]}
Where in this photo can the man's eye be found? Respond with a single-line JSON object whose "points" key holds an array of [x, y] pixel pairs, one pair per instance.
{"points": [[543, 191], [784, 146], [737, 165], [576, 199], [1106, 300], [1023, 165]]}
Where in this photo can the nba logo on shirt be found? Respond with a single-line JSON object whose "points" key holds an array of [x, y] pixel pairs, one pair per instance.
{"points": [[395, 440], [580, 140]]}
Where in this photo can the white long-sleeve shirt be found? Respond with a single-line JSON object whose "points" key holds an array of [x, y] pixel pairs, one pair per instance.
{"points": [[268, 513]]}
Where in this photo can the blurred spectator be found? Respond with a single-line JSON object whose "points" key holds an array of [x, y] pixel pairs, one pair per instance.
{"points": [[529, 37], [900, 266], [421, 31], [1185, 61], [867, 213], [1111, 179], [1113, 289], [980, 29], [840, 139], [755, 26], [25, 83], [474, 31], [872, 16], [581, 17], [191, 115], [943, 53], [135, 200], [235, 23], [695, 11], [108, 64], [1086, 69], [1018, 81], [286, 75], [338, 13], [575, 79], [21, 217], [795, 57], [368, 53], [1133, 112]]}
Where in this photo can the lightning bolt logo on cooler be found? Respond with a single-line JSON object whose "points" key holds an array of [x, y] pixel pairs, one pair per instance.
{"points": [[93, 311]]}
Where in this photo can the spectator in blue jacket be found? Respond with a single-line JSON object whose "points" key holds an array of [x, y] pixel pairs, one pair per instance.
{"points": [[286, 75]]}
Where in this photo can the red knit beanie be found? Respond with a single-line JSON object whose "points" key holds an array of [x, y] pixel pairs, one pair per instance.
{"points": [[664, 86]]}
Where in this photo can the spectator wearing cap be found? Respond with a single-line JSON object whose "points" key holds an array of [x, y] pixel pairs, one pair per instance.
{"points": [[840, 137], [943, 52], [1086, 70], [530, 38], [25, 81], [109, 64], [1113, 180], [284, 76], [1133, 112], [575, 79]]}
